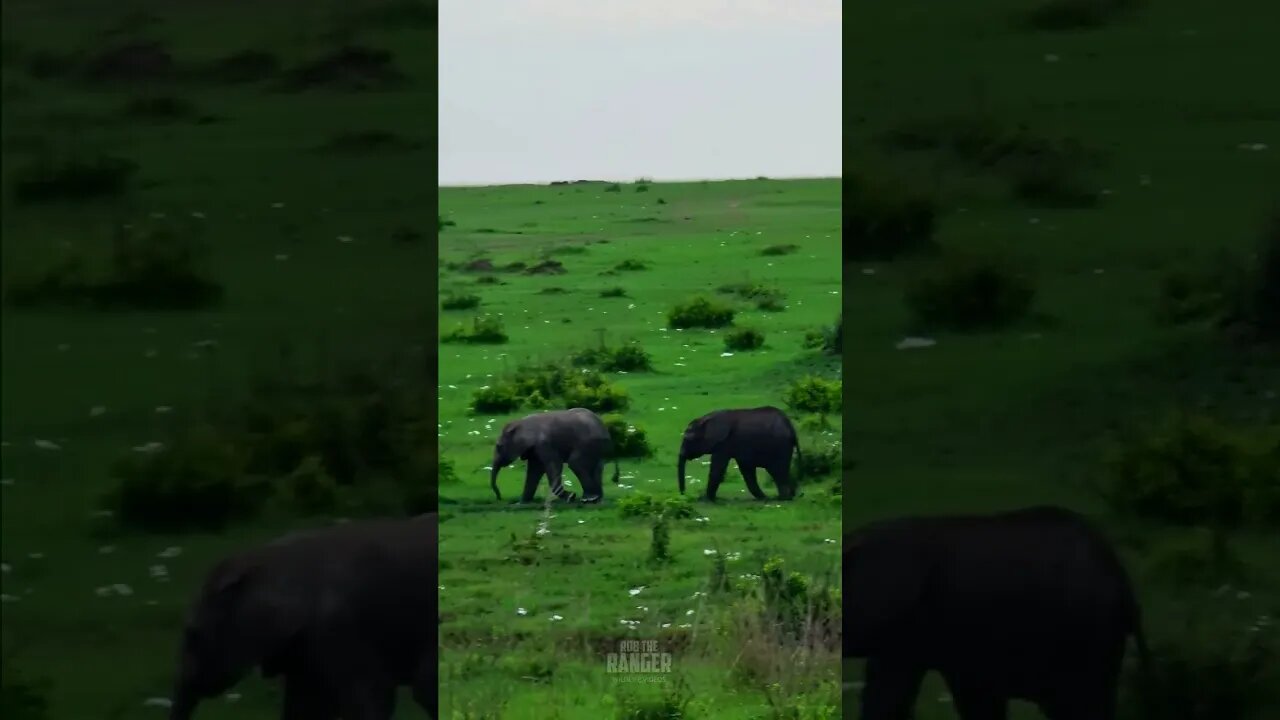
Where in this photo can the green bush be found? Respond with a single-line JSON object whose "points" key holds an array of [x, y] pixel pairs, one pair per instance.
{"points": [[629, 441], [1050, 181], [631, 357], [641, 504], [1193, 470], [484, 330], [499, 398], [815, 395], [700, 312], [613, 292], [154, 268], [1067, 15], [775, 250], [765, 298], [631, 266], [1203, 292], [743, 339], [310, 488], [442, 222], [197, 483], [818, 459], [593, 392], [882, 222], [613, 187], [74, 180], [455, 301], [970, 293]]}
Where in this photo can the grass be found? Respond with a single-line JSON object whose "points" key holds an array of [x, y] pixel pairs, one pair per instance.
{"points": [[97, 384], [495, 565], [1024, 415]]}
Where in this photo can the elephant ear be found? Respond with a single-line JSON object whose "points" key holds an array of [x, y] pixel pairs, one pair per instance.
{"points": [[249, 617], [716, 429], [885, 577]]}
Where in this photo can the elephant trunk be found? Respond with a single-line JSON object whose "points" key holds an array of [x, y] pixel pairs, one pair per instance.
{"points": [[680, 473]]}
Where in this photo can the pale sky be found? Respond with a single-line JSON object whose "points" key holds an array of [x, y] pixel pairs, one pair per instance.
{"points": [[542, 90]]}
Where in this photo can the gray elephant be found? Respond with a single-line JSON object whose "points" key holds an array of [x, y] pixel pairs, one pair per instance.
{"points": [[547, 441], [342, 615], [761, 437], [1030, 604]]}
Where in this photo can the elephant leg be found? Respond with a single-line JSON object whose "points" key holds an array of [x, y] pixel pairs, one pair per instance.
{"points": [[753, 483], [532, 474], [891, 689], [306, 699], [583, 471], [425, 691], [974, 702], [781, 474], [719, 463], [555, 479]]}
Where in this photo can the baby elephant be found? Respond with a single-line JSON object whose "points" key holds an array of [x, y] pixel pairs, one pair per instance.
{"points": [[550, 440], [760, 437], [1030, 604], [342, 615]]}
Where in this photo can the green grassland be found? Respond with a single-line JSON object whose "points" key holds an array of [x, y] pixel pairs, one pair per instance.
{"points": [[991, 420], [269, 206], [528, 618]]}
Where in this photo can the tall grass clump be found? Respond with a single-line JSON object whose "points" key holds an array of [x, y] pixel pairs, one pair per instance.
{"points": [[460, 301], [485, 330], [700, 312], [883, 221], [744, 339], [813, 394], [970, 293]]}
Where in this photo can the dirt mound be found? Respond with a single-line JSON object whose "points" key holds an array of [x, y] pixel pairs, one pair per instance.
{"points": [[546, 267], [131, 62], [351, 67]]}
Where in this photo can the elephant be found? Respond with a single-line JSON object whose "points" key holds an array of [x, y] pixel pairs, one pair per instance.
{"points": [[549, 440], [341, 615], [761, 437], [1030, 604]]}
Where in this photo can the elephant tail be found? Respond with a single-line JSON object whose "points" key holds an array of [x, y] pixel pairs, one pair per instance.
{"points": [[617, 473]]}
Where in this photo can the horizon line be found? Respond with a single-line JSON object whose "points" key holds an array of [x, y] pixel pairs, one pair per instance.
{"points": [[539, 183]]}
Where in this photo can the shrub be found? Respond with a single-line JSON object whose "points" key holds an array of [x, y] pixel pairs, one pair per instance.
{"points": [[1060, 15], [816, 395], [310, 489], [613, 187], [1192, 470], [1199, 292], [883, 221], [498, 398], [484, 330], [197, 483], [700, 312], [455, 301], [158, 108], [818, 460], [744, 339], [641, 504], [442, 222], [629, 441], [613, 292], [349, 68], [773, 250], [671, 703], [1050, 181], [628, 358], [814, 339], [968, 293], [488, 280], [593, 392], [368, 141], [1196, 556], [631, 265], [74, 180]]}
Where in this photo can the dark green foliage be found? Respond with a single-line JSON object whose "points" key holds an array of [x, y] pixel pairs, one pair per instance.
{"points": [[613, 292], [354, 142], [483, 331], [1192, 470], [1050, 181], [818, 459], [815, 395], [488, 280], [21, 697], [626, 358], [442, 222], [660, 541], [765, 298], [773, 250], [796, 607], [243, 67], [310, 489], [595, 393], [159, 108], [672, 703], [1203, 291], [970, 293], [833, 341], [551, 385], [700, 312], [743, 339], [454, 301], [195, 483], [73, 180], [350, 67], [1261, 302], [498, 398], [394, 14], [629, 441], [151, 269], [660, 201], [1074, 15], [613, 187], [642, 504], [631, 265], [883, 221]]}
